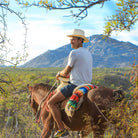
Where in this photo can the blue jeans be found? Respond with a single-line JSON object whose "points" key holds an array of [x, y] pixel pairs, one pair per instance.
{"points": [[68, 90]]}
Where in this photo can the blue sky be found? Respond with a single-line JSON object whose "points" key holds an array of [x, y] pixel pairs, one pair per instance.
{"points": [[47, 30]]}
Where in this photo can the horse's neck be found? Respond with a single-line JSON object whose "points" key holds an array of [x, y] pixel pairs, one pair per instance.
{"points": [[38, 97]]}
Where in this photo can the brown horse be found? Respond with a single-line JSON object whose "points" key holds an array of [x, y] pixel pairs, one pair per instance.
{"points": [[93, 114]]}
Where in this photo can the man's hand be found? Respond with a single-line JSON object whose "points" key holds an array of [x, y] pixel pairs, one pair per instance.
{"points": [[64, 73]]}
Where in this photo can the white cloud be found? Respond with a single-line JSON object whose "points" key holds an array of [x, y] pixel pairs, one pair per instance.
{"points": [[128, 36], [48, 34], [45, 35], [42, 35]]}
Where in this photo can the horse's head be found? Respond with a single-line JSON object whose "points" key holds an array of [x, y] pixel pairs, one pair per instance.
{"points": [[32, 101], [37, 93]]}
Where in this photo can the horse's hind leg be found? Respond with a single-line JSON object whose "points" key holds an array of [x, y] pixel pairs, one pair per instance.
{"points": [[80, 134], [52, 134], [98, 133], [84, 133]]}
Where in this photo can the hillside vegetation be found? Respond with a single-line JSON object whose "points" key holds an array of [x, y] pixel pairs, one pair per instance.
{"points": [[16, 115]]}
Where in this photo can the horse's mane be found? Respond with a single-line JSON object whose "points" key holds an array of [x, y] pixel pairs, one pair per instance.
{"points": [[43, 86]]}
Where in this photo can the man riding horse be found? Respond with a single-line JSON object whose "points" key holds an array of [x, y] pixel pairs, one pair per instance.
{"points": [[79, 67]]}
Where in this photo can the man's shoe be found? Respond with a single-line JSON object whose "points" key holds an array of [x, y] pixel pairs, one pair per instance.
{"points": [[61, 134]]}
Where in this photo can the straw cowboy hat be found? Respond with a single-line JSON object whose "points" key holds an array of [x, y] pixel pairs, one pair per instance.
{"points": [[79, 33]]}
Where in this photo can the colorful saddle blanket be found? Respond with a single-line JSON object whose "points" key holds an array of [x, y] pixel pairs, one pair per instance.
{"points": [[77, 97]]}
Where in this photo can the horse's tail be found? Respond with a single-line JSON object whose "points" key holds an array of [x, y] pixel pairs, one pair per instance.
{"points": [[119, 95]]}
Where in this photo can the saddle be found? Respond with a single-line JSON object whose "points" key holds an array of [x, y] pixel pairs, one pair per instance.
{"points": [[77, 98]]}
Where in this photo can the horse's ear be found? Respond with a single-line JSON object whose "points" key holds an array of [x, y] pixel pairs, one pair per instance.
{"points": [[30, 88]]}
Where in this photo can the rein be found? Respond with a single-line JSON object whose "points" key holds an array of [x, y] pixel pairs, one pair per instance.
{"points": [[45, 106], [39, 107], [101, 112]]}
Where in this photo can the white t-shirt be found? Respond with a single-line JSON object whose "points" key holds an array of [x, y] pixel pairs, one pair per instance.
{"points": [[81, 62]]}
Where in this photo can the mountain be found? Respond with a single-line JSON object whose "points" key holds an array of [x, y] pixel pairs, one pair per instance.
{"points": [[3, 65], [106, 52]]}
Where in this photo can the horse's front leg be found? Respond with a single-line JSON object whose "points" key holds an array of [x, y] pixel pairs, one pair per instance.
{"points": [[45, 133], [48, 124], [48, 130]]}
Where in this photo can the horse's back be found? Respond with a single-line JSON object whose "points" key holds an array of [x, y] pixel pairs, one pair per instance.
{"points": [[100, 95]]}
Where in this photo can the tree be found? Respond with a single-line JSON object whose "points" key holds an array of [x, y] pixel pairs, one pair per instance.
{"points": [[5, 8], [125, 18], [81, 5]]}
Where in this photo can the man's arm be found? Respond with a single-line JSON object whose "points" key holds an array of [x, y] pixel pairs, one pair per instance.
{"points": [[64, 73]]}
